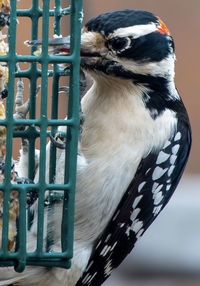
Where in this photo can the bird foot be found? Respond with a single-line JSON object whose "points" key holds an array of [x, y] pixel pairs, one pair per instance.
{"points": [[58, 141]]}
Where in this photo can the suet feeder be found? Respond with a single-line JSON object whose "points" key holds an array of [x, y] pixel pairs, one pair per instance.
{"points": [[40, 128]]}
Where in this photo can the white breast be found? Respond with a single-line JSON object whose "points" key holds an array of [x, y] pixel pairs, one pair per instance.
{"points": [[118, 132]]}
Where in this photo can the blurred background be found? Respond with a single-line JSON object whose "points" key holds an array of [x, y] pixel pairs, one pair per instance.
{"points": [[169, 252]]}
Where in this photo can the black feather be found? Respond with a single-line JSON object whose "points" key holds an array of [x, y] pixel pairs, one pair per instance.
{"points": [[113, 20]]}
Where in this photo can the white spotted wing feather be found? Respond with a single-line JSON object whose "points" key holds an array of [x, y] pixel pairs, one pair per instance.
{"points": [[151, 188]]}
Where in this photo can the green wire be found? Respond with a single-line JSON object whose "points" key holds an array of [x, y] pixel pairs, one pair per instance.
{"points": [[39, 128]]}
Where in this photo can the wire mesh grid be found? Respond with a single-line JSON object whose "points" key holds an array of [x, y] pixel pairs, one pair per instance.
{"points": [[40, 128]]}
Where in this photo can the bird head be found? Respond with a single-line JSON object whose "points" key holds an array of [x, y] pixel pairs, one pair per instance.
{"points": [[132, 45], [127, 42]]}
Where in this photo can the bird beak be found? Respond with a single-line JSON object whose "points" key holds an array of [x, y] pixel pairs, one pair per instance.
{"points": [[61, 45]]}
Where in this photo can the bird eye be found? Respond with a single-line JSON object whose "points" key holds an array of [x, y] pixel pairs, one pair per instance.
{"points": [[118, 43]]}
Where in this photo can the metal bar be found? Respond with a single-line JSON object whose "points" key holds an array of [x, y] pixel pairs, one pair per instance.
{"points": [[39, 59], [71, 148], [28, 12], [54, 115], [57, 187], [43, 127], [51, 73], [33, 71], [20, 266]]}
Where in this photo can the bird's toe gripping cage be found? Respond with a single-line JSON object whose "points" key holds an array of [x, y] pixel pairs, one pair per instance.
{"points": [[39, 128]]}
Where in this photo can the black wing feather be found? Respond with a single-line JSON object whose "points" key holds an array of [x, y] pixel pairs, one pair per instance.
{"points": [[146, 196]]}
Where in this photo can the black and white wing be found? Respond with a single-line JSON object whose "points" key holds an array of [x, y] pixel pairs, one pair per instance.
{"points": [[154, 183]]}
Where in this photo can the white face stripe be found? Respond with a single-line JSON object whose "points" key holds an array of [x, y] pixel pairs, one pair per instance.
{"points": [[135, 31]]}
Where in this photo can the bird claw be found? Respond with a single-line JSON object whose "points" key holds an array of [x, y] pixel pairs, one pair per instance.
{"points": [[56, 143], [21, 108]]}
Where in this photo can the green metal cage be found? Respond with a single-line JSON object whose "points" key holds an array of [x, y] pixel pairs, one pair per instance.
{"points": [[40, 128]]}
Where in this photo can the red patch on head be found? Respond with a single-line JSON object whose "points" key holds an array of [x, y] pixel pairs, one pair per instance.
{"points": [[162, 28]]}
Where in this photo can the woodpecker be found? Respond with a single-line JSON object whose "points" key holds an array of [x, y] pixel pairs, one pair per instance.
{"points": [[134, 146]]}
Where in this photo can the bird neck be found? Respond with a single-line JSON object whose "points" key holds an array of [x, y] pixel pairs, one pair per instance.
{"points": [[116, 110], [158, 92]]}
